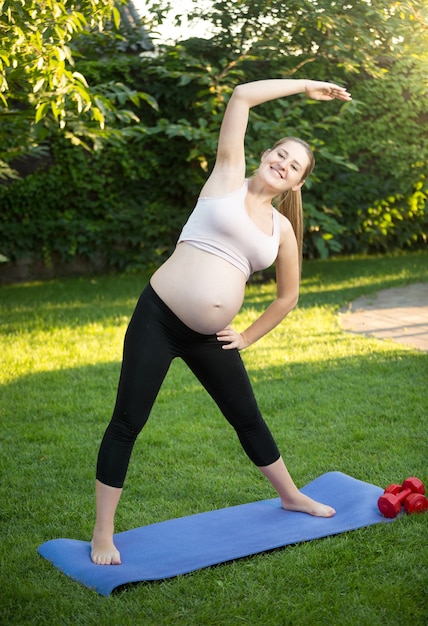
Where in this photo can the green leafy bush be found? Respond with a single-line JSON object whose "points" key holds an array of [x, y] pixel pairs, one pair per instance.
{"points": [[383, 204], [127, 202]]}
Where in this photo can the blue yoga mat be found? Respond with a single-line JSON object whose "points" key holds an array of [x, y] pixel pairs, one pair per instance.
{"points": [[185, 544]]}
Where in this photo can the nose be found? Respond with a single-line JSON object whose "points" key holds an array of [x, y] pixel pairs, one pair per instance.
{"points": [[283, 165]]}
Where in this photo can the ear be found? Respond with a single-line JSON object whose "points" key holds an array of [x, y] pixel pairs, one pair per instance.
{"points": [[299, 186]]}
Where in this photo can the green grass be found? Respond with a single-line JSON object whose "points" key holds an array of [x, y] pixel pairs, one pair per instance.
{"points": [[334, 400]]}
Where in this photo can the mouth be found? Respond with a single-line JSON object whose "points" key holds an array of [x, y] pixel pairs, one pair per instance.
{"points": [[278, 173]]}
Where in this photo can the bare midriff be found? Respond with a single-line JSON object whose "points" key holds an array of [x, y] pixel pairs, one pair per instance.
{"points": [[202, 289]]}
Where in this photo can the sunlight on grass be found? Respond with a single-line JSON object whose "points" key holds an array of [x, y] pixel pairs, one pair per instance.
{"points": [[334, 401], [51, 349]]}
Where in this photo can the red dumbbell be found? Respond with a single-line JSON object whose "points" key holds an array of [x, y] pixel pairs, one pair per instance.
{"points": [[416, 503], [410, 493]]}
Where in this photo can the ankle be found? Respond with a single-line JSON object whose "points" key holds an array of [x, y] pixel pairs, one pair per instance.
{"points": [[103, 531]]}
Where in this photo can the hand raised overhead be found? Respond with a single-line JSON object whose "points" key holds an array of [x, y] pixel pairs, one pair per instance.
{"points": [[319, 90]]}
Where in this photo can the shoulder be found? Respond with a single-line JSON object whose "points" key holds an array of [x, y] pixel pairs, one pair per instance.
{"points": [[220, 185], [287, 239], [286, 229]]}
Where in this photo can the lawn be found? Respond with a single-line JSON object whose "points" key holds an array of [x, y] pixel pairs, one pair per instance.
{"points": [[334, 400]]}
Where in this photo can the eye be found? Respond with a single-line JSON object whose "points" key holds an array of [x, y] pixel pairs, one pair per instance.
{"points": [[281, 155], [294, 168]]}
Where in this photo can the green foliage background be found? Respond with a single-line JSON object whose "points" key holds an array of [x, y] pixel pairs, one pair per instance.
{"points": [[123, 205]]}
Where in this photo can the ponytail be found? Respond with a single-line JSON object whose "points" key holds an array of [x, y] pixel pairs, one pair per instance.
{"points": [[290, 205]]}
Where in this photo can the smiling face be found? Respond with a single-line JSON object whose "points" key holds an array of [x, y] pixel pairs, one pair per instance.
{"points": [[286, 165]]}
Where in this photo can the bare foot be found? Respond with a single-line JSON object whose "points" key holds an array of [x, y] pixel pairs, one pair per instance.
{"points": [[304, 504], [104, 552]]}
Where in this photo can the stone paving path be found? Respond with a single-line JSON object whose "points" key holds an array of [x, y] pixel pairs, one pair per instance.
{"points": [[400, 314]]}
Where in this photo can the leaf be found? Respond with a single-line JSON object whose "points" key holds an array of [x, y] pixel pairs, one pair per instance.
{"points": [[55, 109], [78, 76], [5, 58], [38, 85], [41, 111], [147, 98], [56, 10], [116, 17], [98, 116]]}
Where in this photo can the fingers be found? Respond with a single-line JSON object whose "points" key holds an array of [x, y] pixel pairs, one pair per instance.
{"points": [[340, 93], [227, 334], [327, 91], [231, 338], [230, 346], [334, 92]]}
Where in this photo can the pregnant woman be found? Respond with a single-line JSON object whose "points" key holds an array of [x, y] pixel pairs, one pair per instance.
{"points": [[187, 308]]}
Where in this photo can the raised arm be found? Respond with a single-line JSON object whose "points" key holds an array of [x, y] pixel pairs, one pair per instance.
{"points": [[229, 170]]}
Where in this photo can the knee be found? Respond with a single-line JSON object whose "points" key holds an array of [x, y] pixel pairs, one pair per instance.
{"points": [[124, 428], [248, 422]]}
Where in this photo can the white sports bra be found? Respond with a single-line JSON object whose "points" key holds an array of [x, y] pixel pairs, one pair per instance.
{"points": [[223, 227]]}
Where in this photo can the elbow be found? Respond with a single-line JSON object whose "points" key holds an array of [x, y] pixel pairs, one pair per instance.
{"points": [[242, 94], [288, 304], [293, 302], [239, 90]]}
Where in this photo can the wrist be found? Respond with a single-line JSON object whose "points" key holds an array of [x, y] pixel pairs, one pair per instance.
{"points": [[306, 85], [245, 340], [297, 85]]}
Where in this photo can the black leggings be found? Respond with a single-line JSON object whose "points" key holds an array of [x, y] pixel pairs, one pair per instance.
{"points": [[154, 337]]}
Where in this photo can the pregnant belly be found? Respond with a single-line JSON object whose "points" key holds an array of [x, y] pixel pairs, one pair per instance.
{"points": [[203, 290]]}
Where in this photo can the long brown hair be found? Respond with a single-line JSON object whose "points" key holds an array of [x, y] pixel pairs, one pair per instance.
{"points": [[289, 203]]}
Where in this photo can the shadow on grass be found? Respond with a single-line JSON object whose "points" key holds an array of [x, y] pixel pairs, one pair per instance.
{"points": [[338, 281], [320, 295], [363, 415], [75, 302]]}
